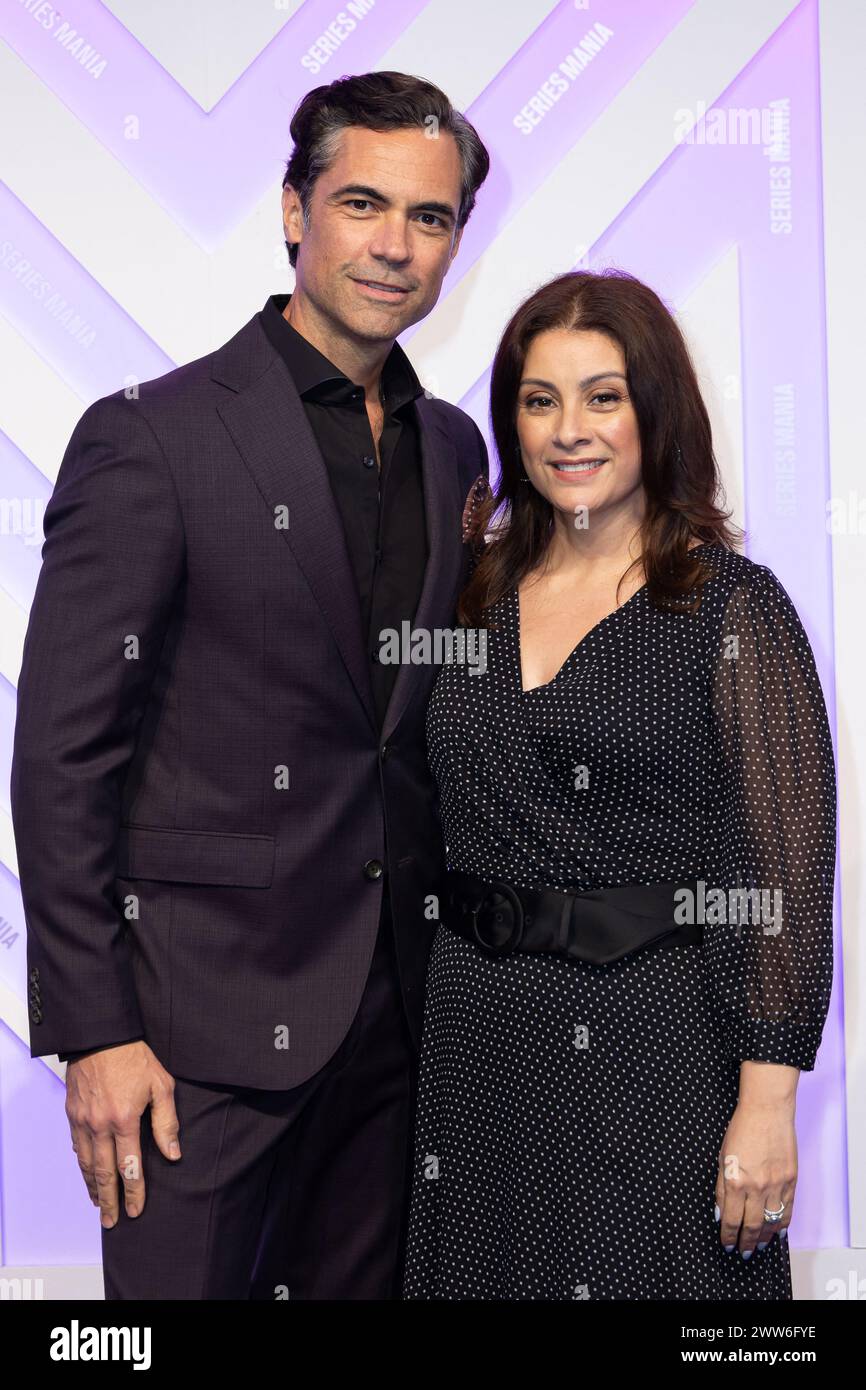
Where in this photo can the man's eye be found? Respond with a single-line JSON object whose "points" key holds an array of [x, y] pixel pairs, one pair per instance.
{"points": [[362, 205]]}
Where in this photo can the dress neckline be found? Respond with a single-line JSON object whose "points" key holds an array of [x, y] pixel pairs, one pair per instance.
{"points": [[515, 599]]}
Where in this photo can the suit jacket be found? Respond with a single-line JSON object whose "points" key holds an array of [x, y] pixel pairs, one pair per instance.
{"points": [[202, 802]]}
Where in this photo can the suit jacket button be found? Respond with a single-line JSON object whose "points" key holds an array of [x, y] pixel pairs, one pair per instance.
{"points": [[373, 869]]}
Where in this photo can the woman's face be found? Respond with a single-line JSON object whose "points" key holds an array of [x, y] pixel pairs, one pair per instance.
{"points": [[573, 407]]}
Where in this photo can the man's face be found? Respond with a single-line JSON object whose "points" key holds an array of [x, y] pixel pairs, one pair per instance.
{"points": [[386, 211]]}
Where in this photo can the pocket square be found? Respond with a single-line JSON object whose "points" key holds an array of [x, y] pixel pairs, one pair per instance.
{"points": [[474, 497]]}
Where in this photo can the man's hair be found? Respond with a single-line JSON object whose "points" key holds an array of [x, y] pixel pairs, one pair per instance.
{"points": [[377, 101]]}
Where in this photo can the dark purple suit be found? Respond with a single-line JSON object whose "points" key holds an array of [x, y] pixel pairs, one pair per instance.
{"points": [[200, 793]]}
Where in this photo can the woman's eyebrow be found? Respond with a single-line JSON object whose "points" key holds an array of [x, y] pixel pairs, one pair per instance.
{"points": [[587, 380]]}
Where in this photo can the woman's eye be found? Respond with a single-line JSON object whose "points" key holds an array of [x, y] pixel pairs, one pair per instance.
{"points": [[542, 402]]}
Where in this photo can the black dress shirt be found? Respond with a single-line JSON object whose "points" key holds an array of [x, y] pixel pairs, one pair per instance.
{"points": [[382, 511]]}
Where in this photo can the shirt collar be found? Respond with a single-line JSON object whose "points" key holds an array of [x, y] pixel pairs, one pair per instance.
{"points": [[317, 378]]}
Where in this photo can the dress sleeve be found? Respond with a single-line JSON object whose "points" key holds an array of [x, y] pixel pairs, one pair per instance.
{"points": [[772, 813]]}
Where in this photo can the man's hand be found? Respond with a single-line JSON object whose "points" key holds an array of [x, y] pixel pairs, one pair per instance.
{"points": [[106, 1094]]}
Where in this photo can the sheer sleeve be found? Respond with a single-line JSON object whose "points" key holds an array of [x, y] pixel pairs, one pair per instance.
{"points": [[772, 812]]}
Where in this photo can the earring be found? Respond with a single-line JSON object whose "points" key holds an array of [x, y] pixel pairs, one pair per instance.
{"points": [[523, 478]]}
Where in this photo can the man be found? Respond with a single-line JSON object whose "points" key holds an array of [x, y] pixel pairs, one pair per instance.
{"points": [[226, 827]]}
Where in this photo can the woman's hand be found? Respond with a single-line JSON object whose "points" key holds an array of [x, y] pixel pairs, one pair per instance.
{"points": [[758, 1159]]}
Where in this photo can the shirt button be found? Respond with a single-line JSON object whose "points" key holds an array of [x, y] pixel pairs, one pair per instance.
{"points": [[357, 394], [368, 462]]}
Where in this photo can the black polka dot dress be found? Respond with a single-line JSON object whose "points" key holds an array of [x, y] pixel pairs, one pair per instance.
{"points": [[570, 1116]]}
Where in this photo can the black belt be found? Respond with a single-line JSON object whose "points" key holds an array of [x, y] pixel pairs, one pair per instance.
{"points": [[598, 926]]}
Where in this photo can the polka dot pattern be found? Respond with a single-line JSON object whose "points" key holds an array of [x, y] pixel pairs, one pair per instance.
{"points": [[570, 1116]]}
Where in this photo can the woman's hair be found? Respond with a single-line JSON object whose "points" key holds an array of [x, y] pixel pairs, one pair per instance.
{"points": [[678, 468], [378, 101]]}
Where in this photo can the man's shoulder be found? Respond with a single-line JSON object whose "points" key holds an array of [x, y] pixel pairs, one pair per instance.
{"points": [[234, 363], [148, 414], [461, 430], [449, 417]]}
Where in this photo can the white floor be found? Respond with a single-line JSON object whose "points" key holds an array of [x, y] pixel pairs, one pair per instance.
{"points": [[818, 1275]]}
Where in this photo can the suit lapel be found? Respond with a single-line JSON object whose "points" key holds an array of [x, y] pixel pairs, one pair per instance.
{"points": [[267, 422], [442, 504]]}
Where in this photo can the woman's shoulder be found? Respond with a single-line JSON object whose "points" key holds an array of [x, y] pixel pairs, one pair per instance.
{"points": [[733, 571], [742, 594]]}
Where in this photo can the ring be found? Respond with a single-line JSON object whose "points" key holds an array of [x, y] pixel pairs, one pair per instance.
{"points": [[774, 1215]]}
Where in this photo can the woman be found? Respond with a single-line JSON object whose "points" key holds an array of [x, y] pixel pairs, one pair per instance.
{"points": [[609, 1065]]}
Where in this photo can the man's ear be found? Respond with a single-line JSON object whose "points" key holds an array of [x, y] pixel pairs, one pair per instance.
{"points": [[293, 215]]}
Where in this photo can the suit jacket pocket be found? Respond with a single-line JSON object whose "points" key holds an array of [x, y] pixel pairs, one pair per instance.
{"points": [[195, 856]]}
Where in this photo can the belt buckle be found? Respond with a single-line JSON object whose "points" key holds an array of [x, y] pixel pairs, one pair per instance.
{"points": [[512, 905]]}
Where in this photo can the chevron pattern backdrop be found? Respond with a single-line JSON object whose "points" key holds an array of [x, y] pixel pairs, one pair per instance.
{"points": [[143, 150]]}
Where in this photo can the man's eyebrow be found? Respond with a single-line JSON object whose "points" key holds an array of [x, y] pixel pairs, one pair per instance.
{"points": [[363, 190], [587, 380]]}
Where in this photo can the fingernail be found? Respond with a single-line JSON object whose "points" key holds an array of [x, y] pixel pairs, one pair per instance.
{"points": [[718, 1214], [783, 1234], [747, 1254], [107, 1222], [174, 1149], [762, 1244], [728, 1249]]}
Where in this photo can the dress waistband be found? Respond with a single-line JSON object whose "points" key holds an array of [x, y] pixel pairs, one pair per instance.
{"points": [[598, 926]]}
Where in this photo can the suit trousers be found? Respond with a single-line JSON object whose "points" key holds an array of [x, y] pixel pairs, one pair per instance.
{"points": [[295, 1194]]}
